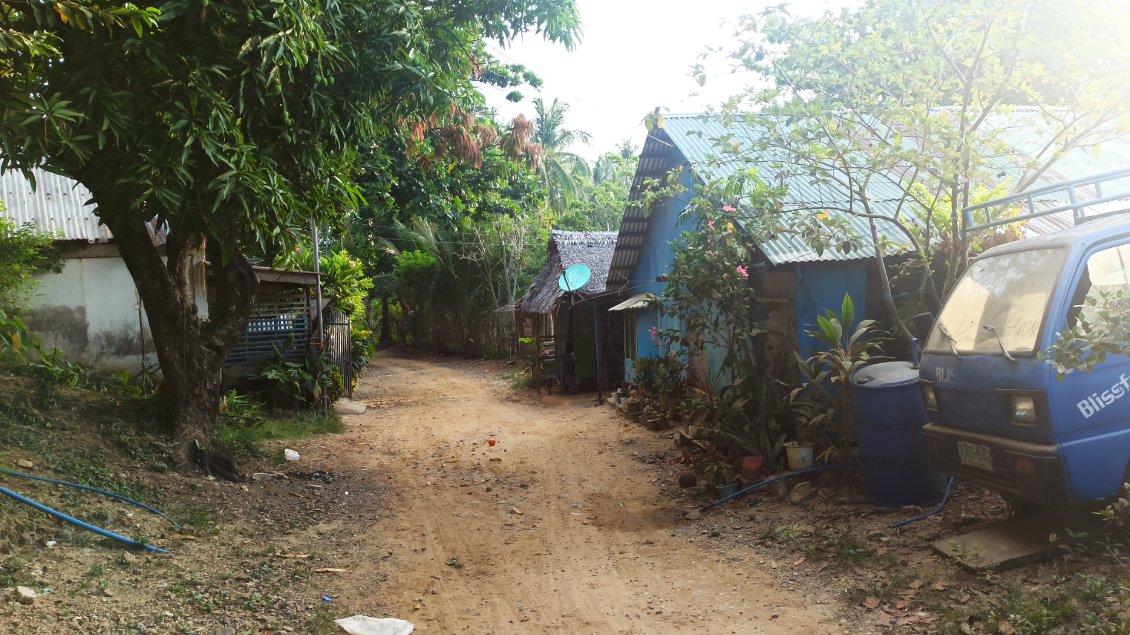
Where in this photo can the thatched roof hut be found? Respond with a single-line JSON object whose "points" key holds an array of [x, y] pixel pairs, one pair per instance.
{"points": [[568, 248]]}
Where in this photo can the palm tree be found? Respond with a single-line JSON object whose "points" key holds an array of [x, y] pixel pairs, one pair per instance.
{"points": [[556, 166]]}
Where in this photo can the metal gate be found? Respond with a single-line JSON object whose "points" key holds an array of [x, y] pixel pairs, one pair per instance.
{"points": [[339, 347]]}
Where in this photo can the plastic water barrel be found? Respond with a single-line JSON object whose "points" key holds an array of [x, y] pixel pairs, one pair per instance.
{"points": [[889, 415]]}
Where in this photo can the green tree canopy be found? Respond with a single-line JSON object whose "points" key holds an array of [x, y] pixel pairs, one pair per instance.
{"points": [[228, 128], [932, 104]]}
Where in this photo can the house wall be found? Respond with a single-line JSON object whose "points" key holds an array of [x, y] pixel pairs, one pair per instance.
{"points": [[821, 286], [92, 313], [655, 259]]}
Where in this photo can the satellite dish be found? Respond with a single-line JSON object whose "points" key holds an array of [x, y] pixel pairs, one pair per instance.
{"points": [[574, 278]]}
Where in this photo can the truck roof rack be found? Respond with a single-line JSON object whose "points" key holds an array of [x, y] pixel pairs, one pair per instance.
{"points": [[1082, 197]]}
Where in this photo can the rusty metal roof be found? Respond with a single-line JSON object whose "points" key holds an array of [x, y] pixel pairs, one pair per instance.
{"points": [[56, 205]]}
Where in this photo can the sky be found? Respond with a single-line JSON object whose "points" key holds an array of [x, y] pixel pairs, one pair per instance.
{"points": [[634, 56]]}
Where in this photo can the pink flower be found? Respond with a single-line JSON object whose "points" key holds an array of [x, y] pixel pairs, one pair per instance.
{"points": [[729, 208], [710, 224], [743, 272]]}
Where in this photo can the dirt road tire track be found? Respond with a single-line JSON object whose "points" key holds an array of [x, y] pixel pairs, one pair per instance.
{"points": [[559, 528]]}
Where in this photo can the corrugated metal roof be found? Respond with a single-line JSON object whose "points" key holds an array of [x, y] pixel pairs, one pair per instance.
{"points": [[56, 205], [692, 140], [696, 137], [640, 301], [565, 249]]}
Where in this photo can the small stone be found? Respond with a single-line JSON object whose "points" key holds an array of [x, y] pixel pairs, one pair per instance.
{"points": [[264, 476], [346, 406], [693, 514], [224, 630], [801, 492], [24, 463], [128, 557], [25, 595]]}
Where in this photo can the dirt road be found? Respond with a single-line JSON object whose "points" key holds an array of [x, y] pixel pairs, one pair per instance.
{"points": [[560, 527]]}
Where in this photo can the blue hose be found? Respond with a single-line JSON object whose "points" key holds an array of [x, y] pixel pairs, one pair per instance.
{"points": [[743, 492], [74, 521], [95, 490], [941, 505]]}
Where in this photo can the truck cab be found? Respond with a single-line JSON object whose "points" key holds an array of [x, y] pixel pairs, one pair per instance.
{"points": [[999, 414]]}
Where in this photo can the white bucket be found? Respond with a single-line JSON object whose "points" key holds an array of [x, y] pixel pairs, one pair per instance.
{"points": [[799, 455]]}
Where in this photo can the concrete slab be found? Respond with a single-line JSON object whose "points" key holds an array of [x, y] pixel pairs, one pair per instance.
{"points": [[1019, 540]]}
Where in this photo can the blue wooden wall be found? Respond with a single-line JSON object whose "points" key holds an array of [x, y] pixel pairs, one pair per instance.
{"points": [[820, 287], [655, 259]]}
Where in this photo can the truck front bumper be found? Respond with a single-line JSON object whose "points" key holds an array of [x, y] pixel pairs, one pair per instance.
{"points": [[1031, 471]]}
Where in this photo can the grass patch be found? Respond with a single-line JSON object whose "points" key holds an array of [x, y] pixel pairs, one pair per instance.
{"points": [[248, 442]]}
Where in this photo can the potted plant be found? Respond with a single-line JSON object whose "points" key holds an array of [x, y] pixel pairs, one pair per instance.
{"points": [[720, 474]]}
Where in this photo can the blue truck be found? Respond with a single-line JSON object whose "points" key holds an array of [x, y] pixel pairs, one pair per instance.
{"points": [[1001, 416]]}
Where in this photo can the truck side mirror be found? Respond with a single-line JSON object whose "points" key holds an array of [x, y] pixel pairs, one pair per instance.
{"points": [[923, 322]]}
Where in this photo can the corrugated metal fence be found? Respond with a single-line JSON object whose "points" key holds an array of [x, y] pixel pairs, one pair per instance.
{"points": [[280, 321]]}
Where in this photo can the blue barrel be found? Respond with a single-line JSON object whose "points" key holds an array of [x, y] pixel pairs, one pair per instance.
{"points": [[889, 415]]}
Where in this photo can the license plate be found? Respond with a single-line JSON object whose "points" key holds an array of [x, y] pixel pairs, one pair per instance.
{"points": [[975, 455]]}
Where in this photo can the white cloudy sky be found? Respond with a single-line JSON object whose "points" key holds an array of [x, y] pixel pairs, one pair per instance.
{"points": [[636, 55]]}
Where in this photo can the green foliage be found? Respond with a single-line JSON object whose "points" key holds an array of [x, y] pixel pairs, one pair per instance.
{"points": [[908, 109], [239, 411], [1088, 342], [231, 124], [23, 253], [248, 441], [344, 281], [709, 289], [600, 206], [556, 166], [822, 404], [302, 383]]}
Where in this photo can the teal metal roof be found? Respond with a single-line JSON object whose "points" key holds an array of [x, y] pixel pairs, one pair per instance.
{"points": [[696, 138], [692, 140]]}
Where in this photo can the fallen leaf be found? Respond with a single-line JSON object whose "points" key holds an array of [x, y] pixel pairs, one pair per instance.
{"points": [[1004, 628], [917, 584], [295, 556], [938, 586], [330, 570], [871, 602], [515, 510], [798, 561], [176, 536], [901, 605]]}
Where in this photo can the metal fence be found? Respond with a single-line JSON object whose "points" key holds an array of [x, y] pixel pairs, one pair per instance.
{"points": [[339, 347], [278, 322]]}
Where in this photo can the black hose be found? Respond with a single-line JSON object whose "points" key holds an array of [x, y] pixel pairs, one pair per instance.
{"points": [[941, 505]]}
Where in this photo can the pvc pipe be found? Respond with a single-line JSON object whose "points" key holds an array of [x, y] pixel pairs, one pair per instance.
{"points": [[95, 490], [740, 493], [74, 521], [941, 505]]}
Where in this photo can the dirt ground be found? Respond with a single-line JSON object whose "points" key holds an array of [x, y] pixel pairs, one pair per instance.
{"points": [[572, 522]]}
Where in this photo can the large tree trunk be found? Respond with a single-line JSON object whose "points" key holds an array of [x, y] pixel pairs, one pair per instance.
{"points": [[191, 350]]}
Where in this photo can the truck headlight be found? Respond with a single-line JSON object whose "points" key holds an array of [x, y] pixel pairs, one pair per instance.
{"points": [[1023, 410], [930, 397]]}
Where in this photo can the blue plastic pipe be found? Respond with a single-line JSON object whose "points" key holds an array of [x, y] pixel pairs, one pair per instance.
{"points": [[74, 521], [743, 492], [95, 490]]}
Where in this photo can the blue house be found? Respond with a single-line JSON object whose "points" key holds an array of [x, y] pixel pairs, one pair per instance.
{"points": [[793, 281]]}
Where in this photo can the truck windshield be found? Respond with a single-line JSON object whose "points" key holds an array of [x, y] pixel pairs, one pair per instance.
{"points": [[1009, 293]]}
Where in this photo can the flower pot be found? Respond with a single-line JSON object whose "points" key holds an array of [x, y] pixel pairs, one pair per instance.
{"points": [[798, 455], [751, 468]]}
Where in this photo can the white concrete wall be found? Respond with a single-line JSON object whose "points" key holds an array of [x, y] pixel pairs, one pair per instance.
{"points": [[91, 311]]}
